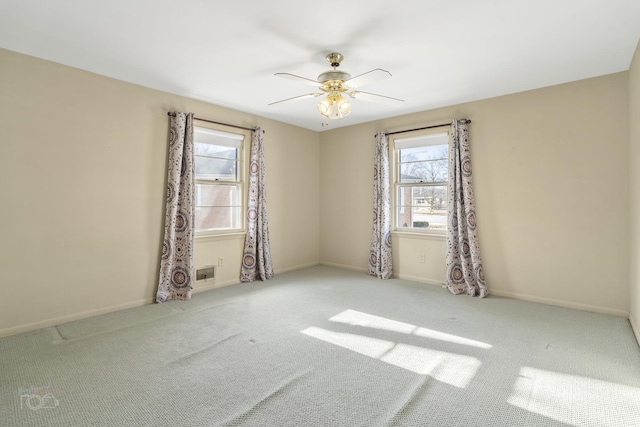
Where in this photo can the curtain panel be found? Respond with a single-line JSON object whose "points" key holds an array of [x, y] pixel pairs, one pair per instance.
{"points": [[256, 261], [176, 262], [464, 265], [380, 260]]}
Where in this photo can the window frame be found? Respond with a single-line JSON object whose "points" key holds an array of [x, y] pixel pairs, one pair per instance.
{"points": [[241, 180], [396, 184]]}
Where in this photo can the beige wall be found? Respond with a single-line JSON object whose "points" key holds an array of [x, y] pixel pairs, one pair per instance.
{"points": [[82, 176], [551, 181], [82, 165], [634, 190]]}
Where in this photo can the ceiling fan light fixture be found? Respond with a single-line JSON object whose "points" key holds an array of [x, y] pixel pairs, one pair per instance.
{"points": [[334, 106], [325, 107], [336, 83], [344, 107]]}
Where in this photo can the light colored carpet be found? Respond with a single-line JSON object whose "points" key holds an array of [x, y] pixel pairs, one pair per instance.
{"points": [[326, 347]]}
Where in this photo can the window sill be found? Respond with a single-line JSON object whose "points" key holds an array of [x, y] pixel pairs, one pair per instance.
{"points": [[420, 235], [232, 235]]}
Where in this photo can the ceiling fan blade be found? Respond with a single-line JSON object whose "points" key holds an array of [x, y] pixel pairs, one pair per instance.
{"points": [[296, 98], [368, 77], [299, 79], [366, 96]]}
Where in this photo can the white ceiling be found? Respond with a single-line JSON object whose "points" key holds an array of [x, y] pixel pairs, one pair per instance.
{"points": [[440, 52]]}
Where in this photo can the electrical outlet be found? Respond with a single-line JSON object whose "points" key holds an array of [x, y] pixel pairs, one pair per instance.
{"points": [[220, 262], [421, 258]]}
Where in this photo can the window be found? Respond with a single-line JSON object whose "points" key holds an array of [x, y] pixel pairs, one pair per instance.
{"points": [[218, 176], [421, 173]]}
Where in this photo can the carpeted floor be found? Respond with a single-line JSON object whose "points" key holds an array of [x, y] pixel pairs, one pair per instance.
{"points": [[326, 347]]}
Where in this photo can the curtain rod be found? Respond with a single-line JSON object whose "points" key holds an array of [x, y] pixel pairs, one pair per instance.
{"points": [[218, 123], [467, 121]]}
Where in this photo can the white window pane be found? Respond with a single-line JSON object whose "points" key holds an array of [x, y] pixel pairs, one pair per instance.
{"points": [[217, 158], [209, 168], [218, 218], [216, 137], [423, 207], [218, 151], [424, 164], [218, 207], [218, 195], [425, 171], [433, 152]]}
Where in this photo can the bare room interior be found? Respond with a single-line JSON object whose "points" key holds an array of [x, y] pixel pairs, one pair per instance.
{"points": [[344, 264]]}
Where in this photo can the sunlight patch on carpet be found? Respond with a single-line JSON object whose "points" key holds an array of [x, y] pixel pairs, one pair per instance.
{"points": [[570, 398], [357, 318], [453, 369]]}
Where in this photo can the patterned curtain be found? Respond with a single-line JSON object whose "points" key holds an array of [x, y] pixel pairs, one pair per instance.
{"points": [[464, 265], [380, 261], [176, 263], [256, 262]]}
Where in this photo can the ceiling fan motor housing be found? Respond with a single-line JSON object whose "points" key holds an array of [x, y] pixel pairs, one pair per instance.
{"points": [[333, 75], [334, 78]]}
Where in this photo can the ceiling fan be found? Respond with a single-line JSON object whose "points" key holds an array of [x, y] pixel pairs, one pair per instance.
{"points": [[335, 84]]}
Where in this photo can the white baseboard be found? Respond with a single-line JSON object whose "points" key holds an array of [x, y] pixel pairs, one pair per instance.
{"points": [[398, 276], [13, 330], [426, 280], [634, 327], [560, 303], [345, 267], [96, 312], [525, 297], [214, 284], [70, 318], [296, 267]]}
